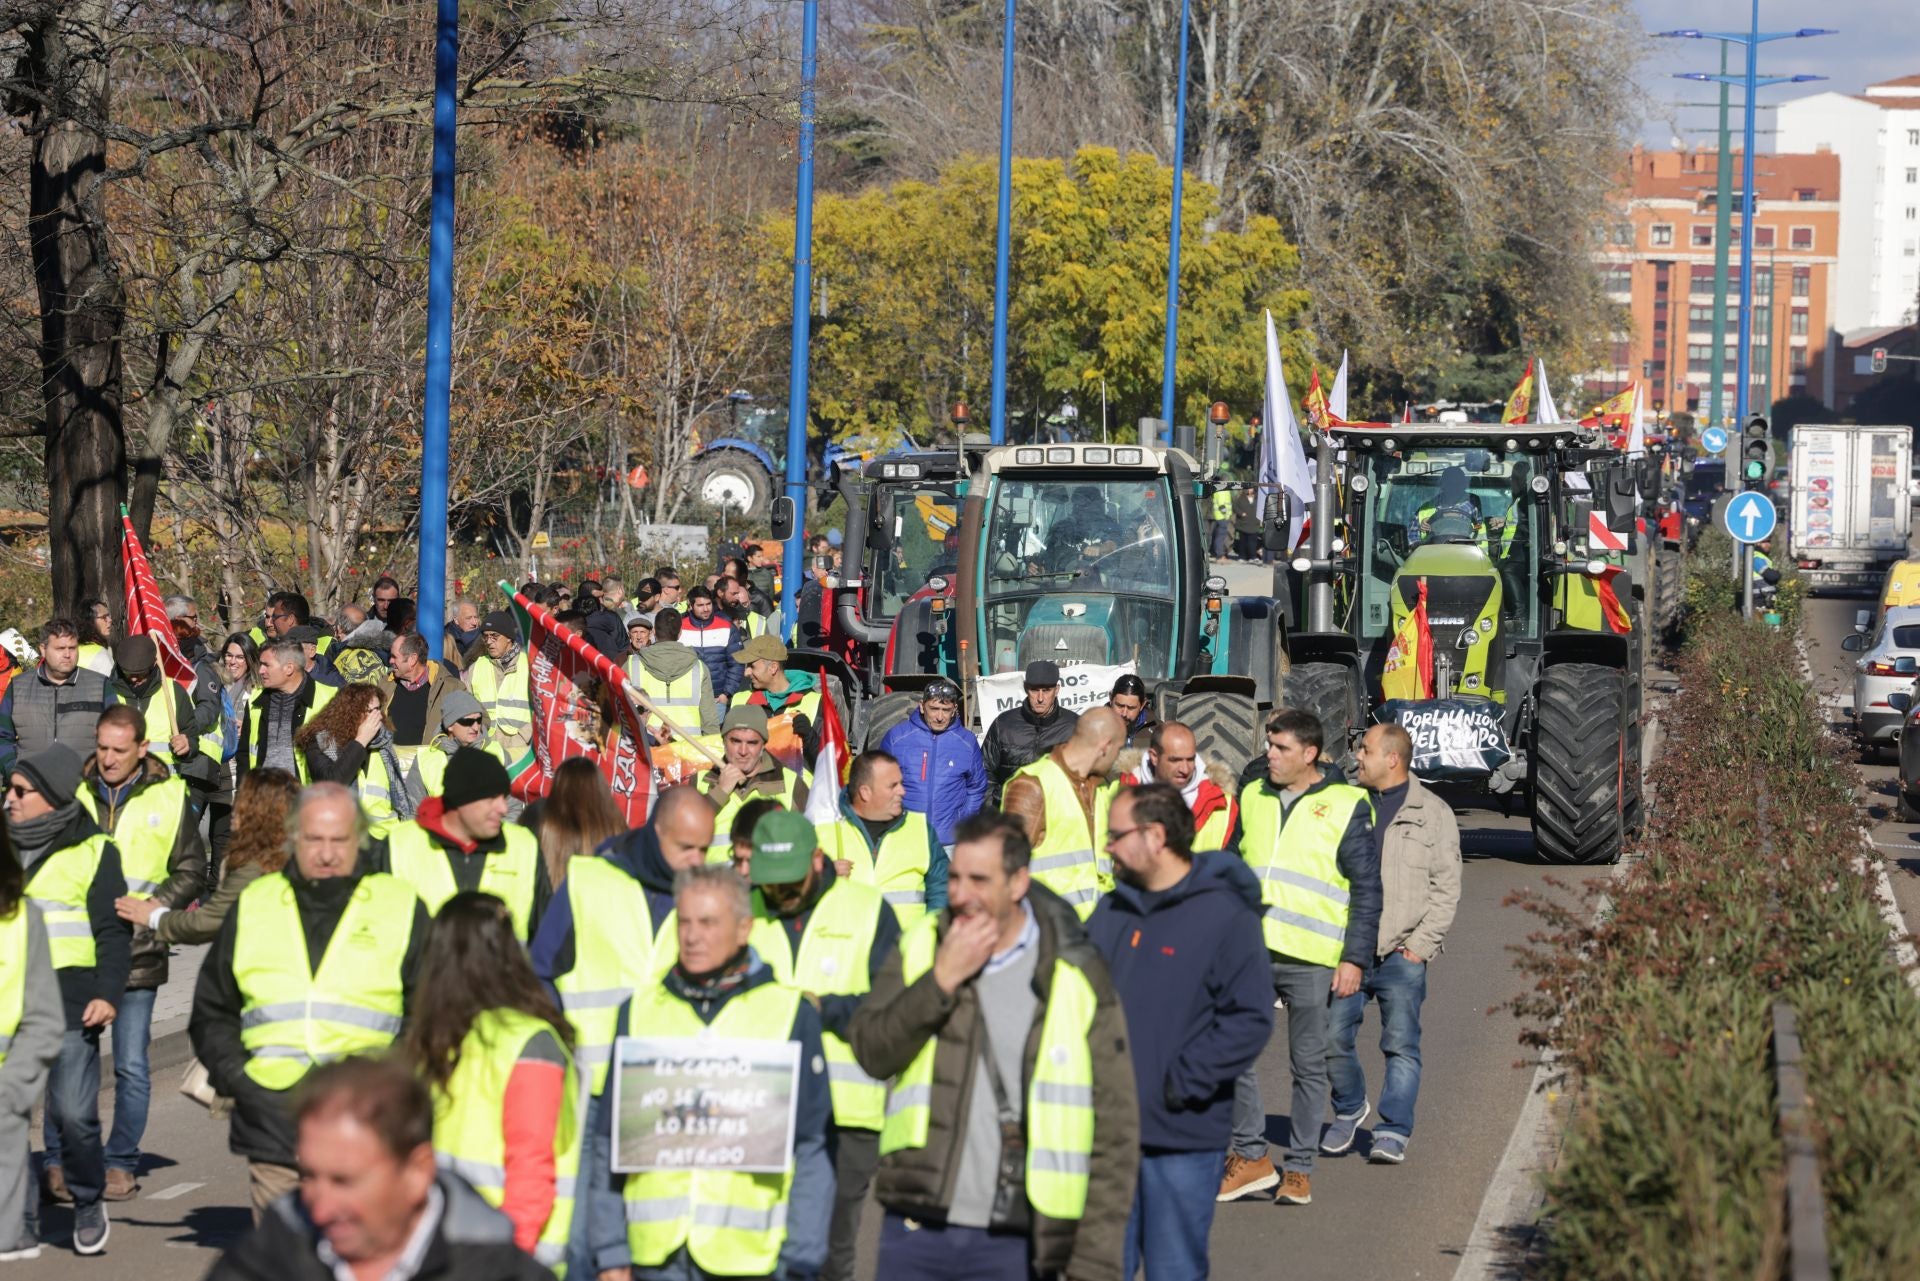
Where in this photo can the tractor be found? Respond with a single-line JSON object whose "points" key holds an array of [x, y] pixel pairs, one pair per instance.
{"points": [[1484, 587]]}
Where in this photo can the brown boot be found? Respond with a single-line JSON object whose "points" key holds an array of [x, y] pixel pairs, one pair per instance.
{"points": [[1296, 1189], [1244, 1177], [53, 1185], [120, 1185]]}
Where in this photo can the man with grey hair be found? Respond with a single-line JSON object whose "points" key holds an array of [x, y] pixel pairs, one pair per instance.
{"points": [[462, 634], [719, 986], [184, 614], [266, 1012], [283, 700]]}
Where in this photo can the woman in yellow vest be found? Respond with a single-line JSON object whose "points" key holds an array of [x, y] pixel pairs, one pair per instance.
{"points": [[32, 1022], [499, 1058], [349, 741]]}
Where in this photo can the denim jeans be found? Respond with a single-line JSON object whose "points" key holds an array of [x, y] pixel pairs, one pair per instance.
{"points": [[132, 1084], [1400, 986], [1172, 1214], [913, 1251], [1307, 990], [73, 1108]]}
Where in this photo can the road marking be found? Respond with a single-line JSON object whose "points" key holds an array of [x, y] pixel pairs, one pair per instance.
{"points": [[168, 1194]]}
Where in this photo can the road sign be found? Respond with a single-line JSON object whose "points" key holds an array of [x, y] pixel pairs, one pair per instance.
{"points": [[1713, 440], [1750, 517]]}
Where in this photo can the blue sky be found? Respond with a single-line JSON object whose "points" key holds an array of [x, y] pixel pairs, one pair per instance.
{"points": [[1877, 40]]}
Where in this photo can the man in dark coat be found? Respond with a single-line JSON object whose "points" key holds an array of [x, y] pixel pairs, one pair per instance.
{"points": [[1031, 730]]}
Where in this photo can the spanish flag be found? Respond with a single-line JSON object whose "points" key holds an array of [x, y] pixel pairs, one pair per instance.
{"points": [[1408, 672], [1520, 404], [1613, 412], [1315, 403], [1610, 605]]}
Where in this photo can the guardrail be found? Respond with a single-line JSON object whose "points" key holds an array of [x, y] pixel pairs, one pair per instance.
{"points": [[1807, 1255]]}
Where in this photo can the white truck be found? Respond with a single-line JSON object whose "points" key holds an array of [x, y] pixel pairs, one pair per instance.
{"points": [[1849, 519]]}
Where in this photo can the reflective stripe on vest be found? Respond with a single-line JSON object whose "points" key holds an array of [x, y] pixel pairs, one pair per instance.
{"points": [[1071, 861], [721, 851], [1059, 1119], [143, 830], [836, 946], [508, 875], [684, 690], [900, 869], [470, 1138], [14, 936], [731, 1224], [256, 718], [614, 952], [58, 886], [503, 696], [1295, 854], [375, 787], [291, 1017]]}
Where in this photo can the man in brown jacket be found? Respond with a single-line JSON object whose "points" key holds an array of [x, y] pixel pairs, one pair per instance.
{"points": [[1419, 842], [1012, 1131]]}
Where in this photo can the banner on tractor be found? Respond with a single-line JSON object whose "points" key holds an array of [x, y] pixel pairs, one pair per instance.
{"points": [[1453, 738], [1082, 685]]}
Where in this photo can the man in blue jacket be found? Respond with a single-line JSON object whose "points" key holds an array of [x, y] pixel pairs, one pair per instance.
{"points": [[940, 761], [1181, 936]]}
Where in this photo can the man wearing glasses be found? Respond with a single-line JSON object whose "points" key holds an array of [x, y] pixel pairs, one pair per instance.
{"points": [[462, 724]]}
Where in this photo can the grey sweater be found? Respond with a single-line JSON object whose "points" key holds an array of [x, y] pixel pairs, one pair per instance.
{"points": [[42, 1023]]}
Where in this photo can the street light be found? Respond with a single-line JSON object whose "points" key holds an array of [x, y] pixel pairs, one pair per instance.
{"points": [[1173, 237]]}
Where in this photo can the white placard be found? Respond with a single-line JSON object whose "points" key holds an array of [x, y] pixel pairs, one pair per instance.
{"points": [[704, 1103], [1082, 685]]}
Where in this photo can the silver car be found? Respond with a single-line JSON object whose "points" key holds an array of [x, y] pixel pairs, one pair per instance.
{"points": [[1889, 662]]}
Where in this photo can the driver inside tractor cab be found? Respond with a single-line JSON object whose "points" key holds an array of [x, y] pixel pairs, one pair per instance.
{"points": [[1087, 532], [1452, 500]]}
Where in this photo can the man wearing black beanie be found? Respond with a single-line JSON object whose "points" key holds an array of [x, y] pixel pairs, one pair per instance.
{"points": [[460, 840]]}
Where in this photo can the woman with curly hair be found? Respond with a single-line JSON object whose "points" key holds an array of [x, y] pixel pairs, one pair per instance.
{"points": [[350, 741], [257, 847], [498, 1056]]}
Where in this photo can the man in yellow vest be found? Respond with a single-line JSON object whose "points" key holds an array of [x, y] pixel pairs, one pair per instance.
{"points": [[608, 933], [1309, 842], [284, 700], [498, 679], [1221, 510], [994, 1016], [1062, 800], [172, 735], [670, 1225], [460, 840], [72, 873], [145, 808], [316, 962], [879, 842], [746, 770], [674, 679], [827, 936]]}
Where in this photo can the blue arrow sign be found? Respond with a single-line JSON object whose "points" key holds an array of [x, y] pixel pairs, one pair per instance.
{"points": [[1749, 517], [1713, 440]]}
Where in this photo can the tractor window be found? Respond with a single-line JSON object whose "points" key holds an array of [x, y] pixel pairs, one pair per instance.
{"points": [[1080, 571], [924, 523]]}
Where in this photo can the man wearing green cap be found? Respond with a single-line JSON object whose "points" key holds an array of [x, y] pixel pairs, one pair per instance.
{"points": [[772, 686], [746, 770], [827, 936]]}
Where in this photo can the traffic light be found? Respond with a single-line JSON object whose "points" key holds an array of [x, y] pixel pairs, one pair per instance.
{"points": [[1756, 452], [1879, 362]]}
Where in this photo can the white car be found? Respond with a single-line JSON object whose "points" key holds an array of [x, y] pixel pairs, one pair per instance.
{"points": [[1889, 662]]}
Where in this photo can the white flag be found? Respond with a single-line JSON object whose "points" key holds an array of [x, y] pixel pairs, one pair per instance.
{"points": [[1637, 430], [1337, 398], [1283, 459], [1547, 413]]}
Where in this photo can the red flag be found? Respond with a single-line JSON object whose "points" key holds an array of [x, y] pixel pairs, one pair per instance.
{"points": [[829, 766], [1407, 417], [557, 662], [146, 612], [1610, 605]]}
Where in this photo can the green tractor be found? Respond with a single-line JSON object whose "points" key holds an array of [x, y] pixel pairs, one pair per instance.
{"points": [[1481, 586]]}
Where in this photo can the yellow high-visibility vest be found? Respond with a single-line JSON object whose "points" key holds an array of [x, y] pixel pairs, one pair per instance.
{"points": [[58, 886], [898, 868], [721, 851], [509, 876], [15, 933], [256, 714], [1071, 860], [504, 696], [615, 951], [144, 830], [1294, 853]]}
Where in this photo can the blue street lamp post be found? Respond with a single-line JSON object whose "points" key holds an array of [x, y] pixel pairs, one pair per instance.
{"points": [[793, 552], [1003, 239], [1173, 238], [431, 598]]}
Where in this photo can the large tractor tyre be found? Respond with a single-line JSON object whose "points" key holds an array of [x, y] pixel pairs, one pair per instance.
{"points": [[734, 479], [1580, 782], [1635, 803], [886, 711], [1331, 691], [1226, 727]]}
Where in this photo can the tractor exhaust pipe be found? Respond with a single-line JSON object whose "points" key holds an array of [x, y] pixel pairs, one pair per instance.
{"points": [[1320, 538]]}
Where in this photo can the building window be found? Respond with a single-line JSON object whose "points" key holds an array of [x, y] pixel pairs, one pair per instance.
{"points": [[1700, 278], [1699, 353], [1799, 321], [1806, 194], [1799, 359], [1763, 237], [1913, 137], [1617, 278], [1913, 174], [1623, 233], [1700, 315], [1702, 235], [1802, 281], [1660, 234], [1762, 284], [1800, 238], [1909, 213], [1622, 353]]}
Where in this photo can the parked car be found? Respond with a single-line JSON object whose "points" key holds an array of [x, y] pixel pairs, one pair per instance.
{"points": [[1889, 661], [1908, 787]]}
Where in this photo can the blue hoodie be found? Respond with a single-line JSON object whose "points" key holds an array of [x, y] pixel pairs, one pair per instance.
{"points": [[946, 776], [1190, 966]]}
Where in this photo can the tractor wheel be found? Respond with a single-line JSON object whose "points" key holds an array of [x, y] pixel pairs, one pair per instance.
{"points": [[886, 711], [1580, 785], [1330, 691], [734, 479], [1225, 726]]}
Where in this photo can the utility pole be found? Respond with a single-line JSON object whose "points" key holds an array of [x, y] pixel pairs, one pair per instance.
{"points": [[1722, 235]]}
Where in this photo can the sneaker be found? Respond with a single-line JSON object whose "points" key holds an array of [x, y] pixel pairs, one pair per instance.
{"points": [[1338, 1138], [90, 1228], [1388, 1149], [1296, 1190], [121, 1185], [1244, 1177], [26, 1248], [53, 1185]]}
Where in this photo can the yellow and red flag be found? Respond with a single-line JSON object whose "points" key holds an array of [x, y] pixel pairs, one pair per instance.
{"points": [[1408, 672], [1616, 613], [1615, 412], [1315, 403], [1520, 403]]}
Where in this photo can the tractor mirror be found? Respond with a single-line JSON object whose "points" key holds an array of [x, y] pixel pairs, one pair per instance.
{"points": [[1623, 503], [1278, 521], [783, 518], [880, 531]]}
